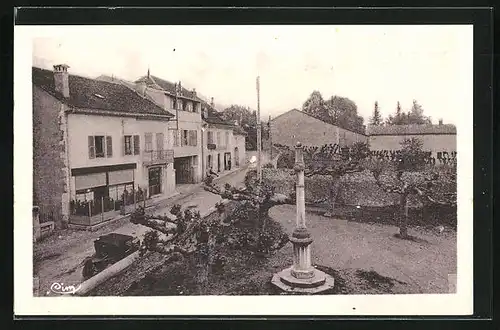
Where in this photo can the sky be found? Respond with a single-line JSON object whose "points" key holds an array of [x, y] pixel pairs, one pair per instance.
{"points": [[387, 64]]}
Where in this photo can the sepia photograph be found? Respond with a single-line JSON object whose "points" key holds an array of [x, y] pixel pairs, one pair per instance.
{"points": [[245, 162]]}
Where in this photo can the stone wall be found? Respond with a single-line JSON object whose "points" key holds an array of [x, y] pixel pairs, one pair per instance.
{"points": [[355, 189], [48, 146]]}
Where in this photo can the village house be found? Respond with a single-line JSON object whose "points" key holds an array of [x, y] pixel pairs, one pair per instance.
{"points": [[295, 125], [225, 141], [440, 140], [95, 144], [202, 139], [184, 128]]}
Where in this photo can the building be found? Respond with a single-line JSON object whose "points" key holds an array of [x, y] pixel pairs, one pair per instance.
{"points": [[96, 143], [295, 125], [224, 142], [438, 139], [184, 129]]}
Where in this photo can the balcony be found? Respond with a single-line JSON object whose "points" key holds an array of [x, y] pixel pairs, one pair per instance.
{"points": [[211, 146], [157, 157]]}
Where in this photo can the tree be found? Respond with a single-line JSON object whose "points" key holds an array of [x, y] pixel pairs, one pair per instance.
{"points": [[407, 174], [328, 160], [376, 119], [315, 106], [415, 116], [247, 119], [343, 112], [184, 232]]}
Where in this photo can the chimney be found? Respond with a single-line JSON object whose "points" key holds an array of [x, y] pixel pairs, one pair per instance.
{"points": [[61, 79], [194, 92], [212, 104], [440, 122], [180, 88]]}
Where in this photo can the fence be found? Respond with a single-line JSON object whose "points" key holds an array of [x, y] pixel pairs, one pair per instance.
{"points": [[44, 219], [91, 212]]}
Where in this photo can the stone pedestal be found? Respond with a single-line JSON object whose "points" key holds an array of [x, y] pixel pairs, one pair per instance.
{"points": [[301, 277]]}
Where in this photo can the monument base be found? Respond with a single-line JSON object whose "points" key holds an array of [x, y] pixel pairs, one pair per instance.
{"points": [[318, 283]]}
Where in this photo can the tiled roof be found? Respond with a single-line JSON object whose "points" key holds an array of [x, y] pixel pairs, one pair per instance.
{"points": [[167, 86], [214, 116], [93, 94], [411, 129]]}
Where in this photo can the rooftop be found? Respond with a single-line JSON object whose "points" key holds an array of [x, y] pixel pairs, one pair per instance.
{"points": [[93, 94], [411, 129]]}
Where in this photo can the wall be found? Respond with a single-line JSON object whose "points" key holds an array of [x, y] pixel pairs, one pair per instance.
{"points": [[295, 126], [48, 165], [239, 141], [431, 142]]}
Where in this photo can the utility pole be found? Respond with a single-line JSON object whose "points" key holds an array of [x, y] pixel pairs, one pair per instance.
{"points": [[270, 138], [259, 134]]}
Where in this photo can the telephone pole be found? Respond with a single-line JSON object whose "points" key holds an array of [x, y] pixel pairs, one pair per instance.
{"points": [[270, 138], [259, 134]]}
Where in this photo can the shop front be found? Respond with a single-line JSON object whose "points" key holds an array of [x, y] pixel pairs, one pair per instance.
{"points": [[100, 190]]}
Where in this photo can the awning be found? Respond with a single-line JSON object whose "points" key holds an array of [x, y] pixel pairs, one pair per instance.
{"points": [[123, 176], [90, 181]]}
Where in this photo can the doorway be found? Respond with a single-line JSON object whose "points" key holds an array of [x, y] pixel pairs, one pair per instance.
{"points": [[236, 157], [154, 181], [183, 170]]}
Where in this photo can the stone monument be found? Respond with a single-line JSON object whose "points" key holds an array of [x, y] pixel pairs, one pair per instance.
{"points": [[301, 277]]}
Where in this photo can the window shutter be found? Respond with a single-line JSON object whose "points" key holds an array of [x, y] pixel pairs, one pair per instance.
{"points": [[91, 147], [137, 145], [123, 145], [109, 146]]}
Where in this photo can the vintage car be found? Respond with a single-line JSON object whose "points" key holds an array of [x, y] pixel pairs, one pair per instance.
{"points": [[109, 249]]}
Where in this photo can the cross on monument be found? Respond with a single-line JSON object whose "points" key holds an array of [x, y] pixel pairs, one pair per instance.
{"points": [[301, 277]]}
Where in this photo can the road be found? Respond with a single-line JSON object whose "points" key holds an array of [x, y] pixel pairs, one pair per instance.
{"points": [[59, 258]]}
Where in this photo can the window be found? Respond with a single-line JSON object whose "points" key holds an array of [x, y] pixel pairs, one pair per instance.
{"points": [[210, 137], [175, 137], [148, 142], [131, 145], [193, 138], [218, 138], [189, 138], [226, 139], [159, 141], [128, 145], [100, 146]]}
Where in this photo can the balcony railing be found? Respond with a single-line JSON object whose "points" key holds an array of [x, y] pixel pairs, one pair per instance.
{"points": [[153, 157], [211, 146]]}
